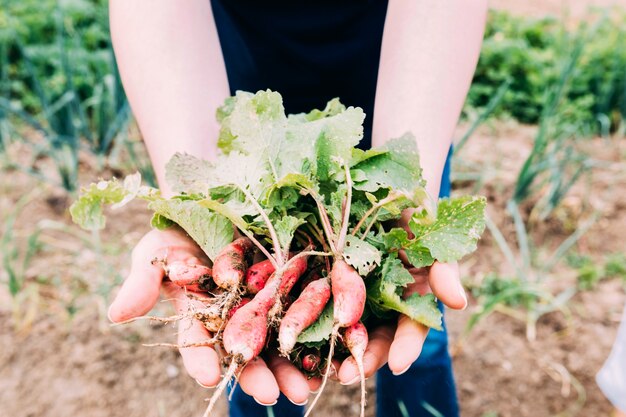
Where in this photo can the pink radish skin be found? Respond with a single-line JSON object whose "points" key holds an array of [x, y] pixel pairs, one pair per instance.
{"points": [[355, 338], [192, 277], [311, 362], [290, 276], [246, 331], [348, 294], [257, 276], [348, 303], [303, 313], [230, 264], [243, 302]]}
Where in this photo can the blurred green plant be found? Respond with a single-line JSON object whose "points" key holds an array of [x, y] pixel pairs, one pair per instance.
{"points": [[64, 84], [589, 273], [15, 260], [525, 49], [552, 168]]}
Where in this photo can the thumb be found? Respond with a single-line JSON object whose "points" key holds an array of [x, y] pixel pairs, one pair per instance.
{"points": [[139, 293], [445, 281]]}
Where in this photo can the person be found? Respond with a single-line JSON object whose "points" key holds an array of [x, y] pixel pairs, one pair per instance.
{"points": [[408, 64], [612, 377]]}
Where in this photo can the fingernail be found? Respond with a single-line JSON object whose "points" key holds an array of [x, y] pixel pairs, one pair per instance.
{"points": [[204, 386], [352, 381], [266, 405], [462, 292], [109, 315], [402, 371], [299, 404]]}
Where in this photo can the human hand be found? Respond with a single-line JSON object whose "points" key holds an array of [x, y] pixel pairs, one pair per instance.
{"points": [[401, 344], [140, 292]]}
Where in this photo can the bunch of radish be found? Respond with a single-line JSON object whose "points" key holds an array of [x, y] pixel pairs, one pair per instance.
{"points": [[301, 230]]}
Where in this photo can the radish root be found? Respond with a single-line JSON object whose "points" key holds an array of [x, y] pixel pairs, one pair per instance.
{"points": [[230, 373], [329, 364]]}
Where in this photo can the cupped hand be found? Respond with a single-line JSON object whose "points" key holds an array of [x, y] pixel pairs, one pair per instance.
{"points": [[400, 344], [263, 380]]}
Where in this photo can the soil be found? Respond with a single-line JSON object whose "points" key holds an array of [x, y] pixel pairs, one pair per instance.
{"points": [[59, 357]]}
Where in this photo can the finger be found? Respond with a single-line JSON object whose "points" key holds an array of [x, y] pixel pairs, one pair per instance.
{"points": [[201, 362], [290, 380], [258, 381], [314, 383], [375, 356], [407, 344], [445, 281], [140, 291]]}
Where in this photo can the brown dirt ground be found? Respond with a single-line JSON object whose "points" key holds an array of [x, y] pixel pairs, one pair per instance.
{"points": [[75, 364], [60, 358]]}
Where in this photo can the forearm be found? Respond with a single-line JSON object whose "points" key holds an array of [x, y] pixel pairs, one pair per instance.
{"points": [[173, 73], [429, 53]]}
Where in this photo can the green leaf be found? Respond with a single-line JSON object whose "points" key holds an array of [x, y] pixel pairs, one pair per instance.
{"points": [[160, 222], [87, 211], [395, 239], [419, 256], [225, 211], [190, 175], [294, 180], [394, 273], [454, 234], [398, 168], [210, 230], [359, 155], [361, 255], [250, 121], [339, 135], [321, 330], [333, 107], [285, 229], [385, 294]]}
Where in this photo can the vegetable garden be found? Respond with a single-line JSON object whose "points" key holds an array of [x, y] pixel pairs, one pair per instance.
{"points": [[541, 138]]}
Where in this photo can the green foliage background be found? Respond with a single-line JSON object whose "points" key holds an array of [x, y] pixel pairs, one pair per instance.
{"points": [[525, 50]]}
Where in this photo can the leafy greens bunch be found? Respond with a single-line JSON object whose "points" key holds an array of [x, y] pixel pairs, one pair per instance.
{"points": [[320, 211]]}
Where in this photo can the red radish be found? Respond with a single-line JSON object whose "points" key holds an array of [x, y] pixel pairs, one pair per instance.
{"points": [[257, 276], [291, 275], [229, 268], [311, 362], [303, 313], [348, 294], [246, 332], [243, 302], [230, 264], [310, 277], [348, 303], [244, 336], [355, 338], [191, 277]]}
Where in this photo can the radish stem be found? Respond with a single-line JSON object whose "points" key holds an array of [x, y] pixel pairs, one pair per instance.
{"points": [[346, 212], [280, 260], [391, 197]]}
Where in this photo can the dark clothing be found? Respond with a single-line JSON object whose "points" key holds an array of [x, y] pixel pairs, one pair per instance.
{"points": [[311, 52]]}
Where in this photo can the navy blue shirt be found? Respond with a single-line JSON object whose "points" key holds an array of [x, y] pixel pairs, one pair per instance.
{"points": [[310, 52]]}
